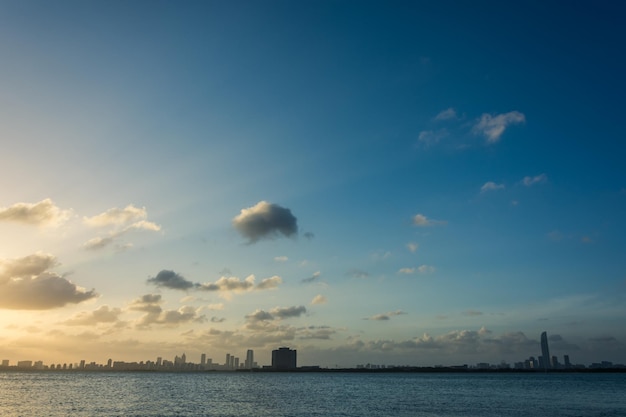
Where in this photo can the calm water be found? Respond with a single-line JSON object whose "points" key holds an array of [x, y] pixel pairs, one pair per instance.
{"points": [[314, 394]]}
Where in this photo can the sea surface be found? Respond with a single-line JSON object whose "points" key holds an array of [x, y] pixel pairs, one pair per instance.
{"points": [[109, 394]]}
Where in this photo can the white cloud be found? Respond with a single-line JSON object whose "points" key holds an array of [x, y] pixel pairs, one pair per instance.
{"points": [[425, 269], [491, 186], [431, 137], [319, 299], [422, 221], [493, 126], [385, 316], [448, 114], [116, 216], [281, 259], [43, 213], [406, 271], [537, 179], [412, 247]]}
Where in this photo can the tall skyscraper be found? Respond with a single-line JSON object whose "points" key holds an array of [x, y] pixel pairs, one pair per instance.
{"points": [[545, 352], [203, 359], [284, 358], [249, 359]]}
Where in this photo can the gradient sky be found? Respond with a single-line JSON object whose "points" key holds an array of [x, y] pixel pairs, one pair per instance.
{"points": [[386, 182]]}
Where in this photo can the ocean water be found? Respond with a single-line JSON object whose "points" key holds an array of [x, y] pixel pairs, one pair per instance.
{"points": [[310, 394]]}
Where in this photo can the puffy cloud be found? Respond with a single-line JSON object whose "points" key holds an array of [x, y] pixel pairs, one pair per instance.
{"points": [[98, 242], [41, 292], [493, 126], [149, 303], [537, 179], [172, 318], [406, 271], [171, 280], [385, 316], [319, 333], [491, 186], [43, 213], [265, 221], [27, 266], [26, 284], [287, 312], [103, 314], [312, 278], [319, 299], [235, 284], [269, 283], [277, 313], [422, 221], [448, 114]]}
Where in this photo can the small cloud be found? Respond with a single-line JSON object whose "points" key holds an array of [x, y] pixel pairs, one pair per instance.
{"points": [[281, 258], [357, 273], [431, 137], [312, 278], [425, 269], [491, 186], [472, 313], [448, 114], [217, 319], [103, 314], [385, 316], [537, 179], [380, 255], [493, 126], [277, 313], [215, 307], [265, 221], [412, 247], [269, 283], [406, 271], [171, 280], [422, 221], [234, 284], [555, 235], [309, 235], [98, 243], [319, 299], [116, 216], [43, 213]]}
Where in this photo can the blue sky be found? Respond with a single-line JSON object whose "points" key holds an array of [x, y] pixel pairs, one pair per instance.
{"points": [[383, 182]]}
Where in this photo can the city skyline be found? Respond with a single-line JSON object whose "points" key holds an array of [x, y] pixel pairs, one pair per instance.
{"points": [[387, 182]]}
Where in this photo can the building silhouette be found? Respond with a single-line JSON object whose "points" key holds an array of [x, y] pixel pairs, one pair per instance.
{"points": [[249, 364], [545, 352], [284, 358]]}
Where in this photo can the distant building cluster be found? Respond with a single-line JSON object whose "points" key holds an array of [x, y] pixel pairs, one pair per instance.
{"points": [[285, 359]]}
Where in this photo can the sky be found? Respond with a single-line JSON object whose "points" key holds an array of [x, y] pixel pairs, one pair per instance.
{"points": [[399, 183]]}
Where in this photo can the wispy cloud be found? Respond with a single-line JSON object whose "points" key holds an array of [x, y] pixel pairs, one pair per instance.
{"points": [[120, 221], [44, 213], [448, 114], [537, 179], [312, 278], [281, 258], [385, 316], [491, 186], [265, 221], [412, 247], [493, 126], [428, 138]]}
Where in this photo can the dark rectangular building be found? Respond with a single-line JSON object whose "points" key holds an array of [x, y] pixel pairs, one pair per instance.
{"points": [[284, 358]]}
